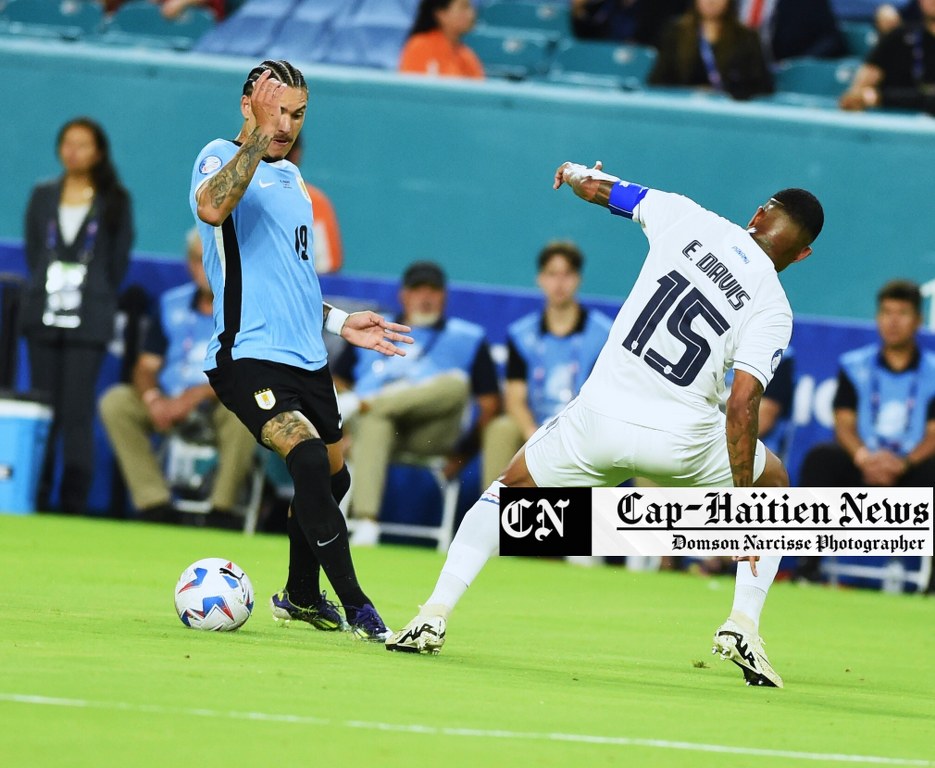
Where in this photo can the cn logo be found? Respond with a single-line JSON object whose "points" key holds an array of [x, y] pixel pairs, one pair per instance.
{"points": [[547, 522], [549, 519]]}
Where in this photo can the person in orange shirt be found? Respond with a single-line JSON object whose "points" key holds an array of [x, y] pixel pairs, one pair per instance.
{"points": [[434, 45], [328, 252]]}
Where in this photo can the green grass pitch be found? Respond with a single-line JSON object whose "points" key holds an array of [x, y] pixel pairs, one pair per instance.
{"points": [[546, 665]]}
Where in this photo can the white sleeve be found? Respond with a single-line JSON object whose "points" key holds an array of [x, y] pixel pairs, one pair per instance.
{"points": [[763, 342], [657, 211]]}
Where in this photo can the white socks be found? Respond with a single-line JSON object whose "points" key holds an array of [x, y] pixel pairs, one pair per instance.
{"points": [[750, 591], [477, 540]]}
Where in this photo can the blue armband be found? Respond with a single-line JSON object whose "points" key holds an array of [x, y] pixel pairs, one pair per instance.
{"points": [[624, 197]]}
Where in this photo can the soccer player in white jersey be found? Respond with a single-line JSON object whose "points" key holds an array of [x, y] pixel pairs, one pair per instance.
{"points": [[267, 361], [707, 299]]}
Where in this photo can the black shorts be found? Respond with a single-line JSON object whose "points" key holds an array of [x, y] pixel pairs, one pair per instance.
{"points": [[256, 390]]}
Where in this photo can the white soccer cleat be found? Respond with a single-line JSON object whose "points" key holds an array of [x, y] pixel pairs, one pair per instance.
{"points": [[424, 634], [743, 646]]}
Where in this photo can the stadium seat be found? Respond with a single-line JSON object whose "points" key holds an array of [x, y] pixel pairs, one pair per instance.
{"points": [[190, 467], [815, 77], [367, 43], [62, 19], [140, 23], [601, 64], [545, 17], [512, 54], [307, 34], [388, 12], [892, 573], [861, 37], [450, 489], [251, 30]]}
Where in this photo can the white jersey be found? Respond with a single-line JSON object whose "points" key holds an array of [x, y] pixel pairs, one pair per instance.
{"points": [[707, 299]]}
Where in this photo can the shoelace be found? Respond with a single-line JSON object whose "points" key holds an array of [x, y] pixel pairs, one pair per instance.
{"points": [[369, 620], [327, 608], [323, 607]]}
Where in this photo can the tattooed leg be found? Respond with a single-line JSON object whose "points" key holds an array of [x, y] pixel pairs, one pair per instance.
{"points": [[286, 430]]}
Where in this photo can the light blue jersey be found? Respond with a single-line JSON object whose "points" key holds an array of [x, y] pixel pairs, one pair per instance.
{"points": [[893, 407], [556, 366], [267, 299]]}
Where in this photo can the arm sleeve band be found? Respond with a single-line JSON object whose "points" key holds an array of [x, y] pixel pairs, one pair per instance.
{"points": [[624, 198]]}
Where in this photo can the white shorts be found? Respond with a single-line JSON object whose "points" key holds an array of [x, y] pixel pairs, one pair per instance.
{"points": [[581, 448]]}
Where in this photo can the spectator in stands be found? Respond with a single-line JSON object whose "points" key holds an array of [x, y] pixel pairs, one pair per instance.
{"points": [[170, 392], [172, 9], [709, 47], [550, 354], [78, 233], [415, 403], [884, 408], [790, 28], [326, 234], [434, 45], [884, 411], [626, 21], [900, 70]]}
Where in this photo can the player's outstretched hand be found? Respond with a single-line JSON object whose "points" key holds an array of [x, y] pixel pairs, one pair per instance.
{"points": [[570, 173], [590, 184], [369, 330]]}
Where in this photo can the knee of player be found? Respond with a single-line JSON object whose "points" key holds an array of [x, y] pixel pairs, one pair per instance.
{"points": [[308, 458], [774, 473]]}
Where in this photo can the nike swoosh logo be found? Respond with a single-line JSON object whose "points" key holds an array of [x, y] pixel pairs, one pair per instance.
{"points": [[325, 543], [267, 184]]}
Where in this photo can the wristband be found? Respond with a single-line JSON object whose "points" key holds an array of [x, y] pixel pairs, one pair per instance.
{"points": [[334, 323], [624, 198]]}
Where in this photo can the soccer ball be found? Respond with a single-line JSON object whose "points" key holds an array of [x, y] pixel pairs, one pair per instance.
{"points": [[214, 594]]}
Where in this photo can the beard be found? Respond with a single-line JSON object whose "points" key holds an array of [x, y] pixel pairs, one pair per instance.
{"points": [[423, 319]]}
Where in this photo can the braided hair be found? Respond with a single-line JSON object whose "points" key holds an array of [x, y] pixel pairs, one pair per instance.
{"points": [[282, 71]]}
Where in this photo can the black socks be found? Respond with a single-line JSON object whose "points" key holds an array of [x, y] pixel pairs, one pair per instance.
{"points": [[304, 584], [317, 516]]}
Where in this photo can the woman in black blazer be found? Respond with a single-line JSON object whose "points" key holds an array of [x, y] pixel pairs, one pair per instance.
{"points": [[78, 234], [709, 47]]}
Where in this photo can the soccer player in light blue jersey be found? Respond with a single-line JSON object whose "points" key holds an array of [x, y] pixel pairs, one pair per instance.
{"points": [[267, 360]]}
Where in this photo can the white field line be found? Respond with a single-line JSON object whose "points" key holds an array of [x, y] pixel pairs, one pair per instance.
{"points": [[475, 733]]}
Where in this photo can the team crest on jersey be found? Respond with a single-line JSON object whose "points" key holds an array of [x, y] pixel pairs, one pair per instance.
{"points": [[774, 363], [265, 399], [301, 186], [210, 164]]}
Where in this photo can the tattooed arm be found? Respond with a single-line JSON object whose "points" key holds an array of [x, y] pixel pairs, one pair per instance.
{"points": [[218, 196], [742, 426]]}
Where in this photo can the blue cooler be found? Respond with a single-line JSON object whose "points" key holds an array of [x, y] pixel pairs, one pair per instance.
{"points": [[24, 430]]}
